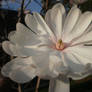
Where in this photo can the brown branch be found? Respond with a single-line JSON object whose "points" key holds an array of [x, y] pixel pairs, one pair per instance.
{"points": [[19, 88], [47, 4], [37, 85]]}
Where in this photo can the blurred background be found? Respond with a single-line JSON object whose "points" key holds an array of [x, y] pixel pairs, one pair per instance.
{"points": [[10, 12]]}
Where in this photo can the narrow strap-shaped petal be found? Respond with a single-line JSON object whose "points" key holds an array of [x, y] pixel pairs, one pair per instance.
{"points": [[42, 24], [11, 36], [59, 85], [25, 36], [20, 70], [70, 21], [7, 49], [55, 18], [80, 27], [33, 24], [85, 38]]}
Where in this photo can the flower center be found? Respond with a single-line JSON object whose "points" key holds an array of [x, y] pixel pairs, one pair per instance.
{"points": [[60, 45]]}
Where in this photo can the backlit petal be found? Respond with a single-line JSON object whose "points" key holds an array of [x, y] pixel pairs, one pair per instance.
{"points": [[71, 21], [55, 18], [80, 27], [6, 47], [42, 24], [59, 85], [20, 70], [24, 36], [85, 38]]}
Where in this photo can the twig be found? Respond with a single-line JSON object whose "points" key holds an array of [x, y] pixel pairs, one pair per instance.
{"points": [[37, 85], [46, 4], [27, 4], [19, 88], [21, 12]]}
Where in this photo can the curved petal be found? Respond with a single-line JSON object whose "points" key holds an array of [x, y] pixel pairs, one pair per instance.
{"points": [[24, 36], [84, 51], [59, 85], [42, 62], [70, 21], [85, 38], [20, 70], [32, 23], [84, 74], [73, 63], [26, 43], [56, 65], [48, 65], [23, 51], [55, 18], [12, 49], [78, 60], [80, 27], [33, 50], [12, 37], [41, 24], [6, 47]]}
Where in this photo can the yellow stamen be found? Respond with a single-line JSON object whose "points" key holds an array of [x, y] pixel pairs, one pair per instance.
{"points": [[60, 45]]}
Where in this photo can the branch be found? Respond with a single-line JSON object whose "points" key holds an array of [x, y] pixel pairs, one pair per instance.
{"points": [[19, 88], [37, 85], [47, 4], [21, 12]]}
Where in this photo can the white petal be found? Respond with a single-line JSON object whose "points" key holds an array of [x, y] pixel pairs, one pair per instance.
{"points": [[23, 75], [59, 85], [33, 50], [23, 51], [77, 58], [42, 26], [6, 47], [12, 49], [85, 38], [34, 24], [11, 36], [24, 36], [31, 23], [56, 65], [27, 43], [42, 62], [73, 63], [70, 21], [84, 51], [46, 63], [55, 18], [84, 74], [78, 63], [80, 27], [20, 70]]}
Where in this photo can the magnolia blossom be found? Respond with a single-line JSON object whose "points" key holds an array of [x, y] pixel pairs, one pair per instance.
{"points": [[56, 49], [77, 1]]}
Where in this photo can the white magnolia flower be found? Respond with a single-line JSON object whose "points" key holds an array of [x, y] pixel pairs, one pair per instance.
{"points": [[56, 49]]}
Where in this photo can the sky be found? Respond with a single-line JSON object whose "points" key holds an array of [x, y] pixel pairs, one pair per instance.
{"points": [[33, 6]]}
